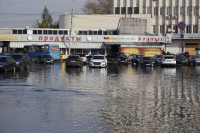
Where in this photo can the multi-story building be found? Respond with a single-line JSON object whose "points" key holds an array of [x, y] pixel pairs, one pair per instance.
{"points": [[166, 15]]}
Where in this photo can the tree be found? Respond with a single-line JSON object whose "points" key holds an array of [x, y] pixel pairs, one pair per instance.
{"points": [[97, 7], [47, 20]]}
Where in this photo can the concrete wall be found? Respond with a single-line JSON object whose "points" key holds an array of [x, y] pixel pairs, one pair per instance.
{"points": [[174, 47]]}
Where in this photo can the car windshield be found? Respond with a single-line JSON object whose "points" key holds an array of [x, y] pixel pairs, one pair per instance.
{"points": [[73, 57], [159, 56], [17, 57], [139, 56], [197, 56], [180, 57], [98, 57], [47, 56], [147, 58], [2, 59], [168, 57]]}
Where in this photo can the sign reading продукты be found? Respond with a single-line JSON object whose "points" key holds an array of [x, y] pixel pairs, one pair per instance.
{"points": [[181, 25]]}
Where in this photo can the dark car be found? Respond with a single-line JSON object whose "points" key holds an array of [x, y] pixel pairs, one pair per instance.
{"points": [[136, 59], [83, 57], [181, 60], [7, 63], [22, 61], [46, 59], [158, 59], [74, 61], [89, 57], [123, 59], [147, 61], [194, 59]]}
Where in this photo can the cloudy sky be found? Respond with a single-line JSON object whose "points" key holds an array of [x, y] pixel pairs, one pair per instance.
{"points": [[22, 13]]}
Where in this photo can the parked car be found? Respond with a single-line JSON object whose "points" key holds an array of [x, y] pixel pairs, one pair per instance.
{"points": [[136, 59], [123, 59], [130, 57], [46, 59], [168, 60], [73, 61], [89, 57], [83, 57], [194, 59], [181, 60], [158, 59], [22, 61], [147, 61], [98, 61], [63, 57], [7, 63]]}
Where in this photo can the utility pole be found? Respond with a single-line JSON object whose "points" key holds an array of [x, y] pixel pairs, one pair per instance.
{"points": [[70, 37]]}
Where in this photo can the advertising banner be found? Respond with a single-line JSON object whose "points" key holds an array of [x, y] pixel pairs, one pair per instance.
{"points": [[143, 51]]}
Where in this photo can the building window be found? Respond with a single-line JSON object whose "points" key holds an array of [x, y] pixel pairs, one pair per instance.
{"points": [[144, 10], [175, 28], [80, 32], [40, 32], [189, 10], [162, 28], [182, 10], [60, 32], [45, 32], [148, 10], [24, 31], [195, 28], [55, 32], [169, 28], [162, 11], [123, 10], [136, 10], [95, 33], [196, 10], [100, 32], [50, 32], [14, 31], [169, 11], [105, 33], [156, 11], [34, 31], [19, 31], [116, 10], [129, 10], [65, 32], [155, 29], [176, 10], [188, 29]]}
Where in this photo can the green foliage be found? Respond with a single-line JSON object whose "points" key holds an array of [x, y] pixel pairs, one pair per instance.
{"points": [[47, 20], [97, 7]]}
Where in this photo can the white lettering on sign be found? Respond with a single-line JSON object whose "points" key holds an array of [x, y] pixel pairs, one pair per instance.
{"points": [[58, 38]]}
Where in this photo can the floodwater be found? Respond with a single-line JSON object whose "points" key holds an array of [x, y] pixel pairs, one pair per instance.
{"points": [[117, 99]]}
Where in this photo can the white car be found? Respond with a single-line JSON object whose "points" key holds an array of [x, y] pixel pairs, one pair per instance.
{"points": [[98, 61], [168, 60]]}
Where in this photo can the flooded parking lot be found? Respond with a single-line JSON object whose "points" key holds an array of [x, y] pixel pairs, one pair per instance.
{"points": [[56, 99]]}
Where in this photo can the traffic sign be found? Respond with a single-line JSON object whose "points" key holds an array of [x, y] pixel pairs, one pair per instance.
{"points": [[181, 25]]}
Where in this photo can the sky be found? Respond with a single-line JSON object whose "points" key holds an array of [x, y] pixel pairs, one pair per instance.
{"points": [[22, 13]]}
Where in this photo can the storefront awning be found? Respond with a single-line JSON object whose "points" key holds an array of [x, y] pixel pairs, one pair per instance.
{"points": [[61, 45]]}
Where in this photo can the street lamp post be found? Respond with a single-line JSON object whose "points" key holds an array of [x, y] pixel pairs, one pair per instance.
{"points": [[70, 37]]}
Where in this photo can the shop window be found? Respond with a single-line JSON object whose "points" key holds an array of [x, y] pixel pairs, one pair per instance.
{"points": [[24, 31], [105, 33], [95, 32], [65, 32], [90, 32], [100, 32]]}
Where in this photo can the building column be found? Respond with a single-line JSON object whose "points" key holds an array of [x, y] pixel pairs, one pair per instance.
{"points": [[171, 17], [120, 7], [165, 15], [185, 20], [145, 12], [158, 5], [132, 6], [126, 8], [140, 7], [152, 9], [192, 16], [113, 6], [198, 17], [178, 16]]}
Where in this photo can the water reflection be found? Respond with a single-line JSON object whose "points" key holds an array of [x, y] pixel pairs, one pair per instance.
{"points": [[122, 98]]}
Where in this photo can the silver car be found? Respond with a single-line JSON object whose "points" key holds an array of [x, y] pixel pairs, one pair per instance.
{"points": [[195, 59], [98, 61]]}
